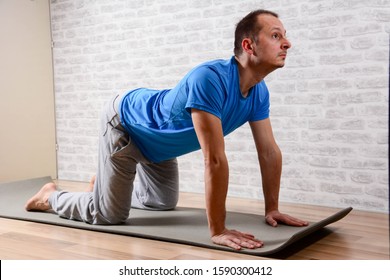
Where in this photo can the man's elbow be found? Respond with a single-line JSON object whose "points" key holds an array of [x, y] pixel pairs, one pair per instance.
{"points": [[273, 153], [213, 162]]}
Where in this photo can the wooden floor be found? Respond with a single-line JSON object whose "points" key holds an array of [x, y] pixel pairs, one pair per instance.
{"points": [[360, 236]]}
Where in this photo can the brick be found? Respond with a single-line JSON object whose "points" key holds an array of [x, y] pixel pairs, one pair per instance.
{"points": [[300, 61], [347, 98], [377, 54], [172, 8], [352, 137], [329, 175], [294, 123], [290, 172], [355, 124], [349, 4], [286, 136], [197, 25], [324, 85], [312, 111], [380, 15], [372, 83], [337, 113], [340, 59], [324, 162], [363, 42], [301, 184], [283, 111], [282, 87], [362, 177], [322, 124], [316, 8], [383, 178], [361, 29], [365, 164], [378, 124], [201, 4], [382, 138], [328, 46], [324, 33], [324, 150], [368, 204], [323, 21], [133, 24], [377, 191], [366, 70], [374, 152], [304, 99], [373, 110], [341, 189]]}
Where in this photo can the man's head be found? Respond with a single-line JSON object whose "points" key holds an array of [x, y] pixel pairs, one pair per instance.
{"points": [[261, 36], [249, 27]]}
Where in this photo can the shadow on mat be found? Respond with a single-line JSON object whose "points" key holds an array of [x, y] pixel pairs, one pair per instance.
{"points": [[301, 244], [157, 221]]}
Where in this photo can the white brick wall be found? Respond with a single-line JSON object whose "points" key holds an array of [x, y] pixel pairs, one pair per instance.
{"points": [[329, 105]]}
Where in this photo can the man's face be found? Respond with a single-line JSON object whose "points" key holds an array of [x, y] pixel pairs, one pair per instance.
{"points": [[272, 45]]}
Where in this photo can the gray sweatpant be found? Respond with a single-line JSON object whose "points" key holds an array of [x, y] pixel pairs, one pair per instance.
{"points": [[115, 191]]}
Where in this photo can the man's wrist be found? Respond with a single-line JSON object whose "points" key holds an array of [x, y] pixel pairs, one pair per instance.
{"points": [[216, 229], [271, 209]]}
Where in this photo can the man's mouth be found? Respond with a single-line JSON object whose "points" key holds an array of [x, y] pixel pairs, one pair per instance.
{"points": [[283, 54]]}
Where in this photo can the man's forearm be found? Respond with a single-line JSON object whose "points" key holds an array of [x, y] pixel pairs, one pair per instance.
{"points": [[216, 183], [271, 171]]}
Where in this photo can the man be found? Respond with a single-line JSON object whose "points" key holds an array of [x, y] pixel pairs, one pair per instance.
{"points": [[144, 131]]}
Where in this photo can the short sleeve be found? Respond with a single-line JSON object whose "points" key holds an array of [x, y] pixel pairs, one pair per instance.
{"points": [[205, 91], [262, 108]]}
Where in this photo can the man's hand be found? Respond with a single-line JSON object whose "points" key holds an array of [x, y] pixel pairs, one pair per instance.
{"points": [[273, 217], [237, 240]]}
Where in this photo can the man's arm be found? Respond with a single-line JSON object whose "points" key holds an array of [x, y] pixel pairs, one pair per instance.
{"points": [[270, 159], [210, 135]]}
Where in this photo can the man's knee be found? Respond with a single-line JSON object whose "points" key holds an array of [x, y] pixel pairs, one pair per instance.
{"points": [[168, 205], [157, 204], [111, 218]]}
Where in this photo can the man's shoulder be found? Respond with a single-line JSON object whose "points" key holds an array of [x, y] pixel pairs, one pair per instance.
{"points": [[216, 63], [212, 68]]}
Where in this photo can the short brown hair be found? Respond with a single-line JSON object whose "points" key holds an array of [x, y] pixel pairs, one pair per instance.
{"points": [[248, 27]]}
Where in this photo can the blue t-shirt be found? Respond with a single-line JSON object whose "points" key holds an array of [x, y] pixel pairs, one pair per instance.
{"points": [[159, 121]]}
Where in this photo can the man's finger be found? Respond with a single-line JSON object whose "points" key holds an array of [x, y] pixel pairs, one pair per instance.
{"points": [[233, 245], [237, 240], [293, 221], [271, 221]]}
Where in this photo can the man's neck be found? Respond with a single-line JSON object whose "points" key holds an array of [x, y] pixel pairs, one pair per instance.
{"points": [[249, 75]]}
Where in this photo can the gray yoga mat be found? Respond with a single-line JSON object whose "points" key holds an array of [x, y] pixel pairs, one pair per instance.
{"points": [[182, 225]]}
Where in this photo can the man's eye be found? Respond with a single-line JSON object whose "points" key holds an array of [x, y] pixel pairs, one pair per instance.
{"points": [[275, 36]]}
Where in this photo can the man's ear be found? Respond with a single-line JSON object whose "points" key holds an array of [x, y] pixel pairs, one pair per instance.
{"points": [[247, 46]]}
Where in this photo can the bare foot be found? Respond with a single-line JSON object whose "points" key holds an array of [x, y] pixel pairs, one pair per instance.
{"points": [[40, 201], [91, 184]]}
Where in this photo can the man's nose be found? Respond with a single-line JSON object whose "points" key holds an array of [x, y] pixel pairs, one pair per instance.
{"points": [[286, 44]]}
